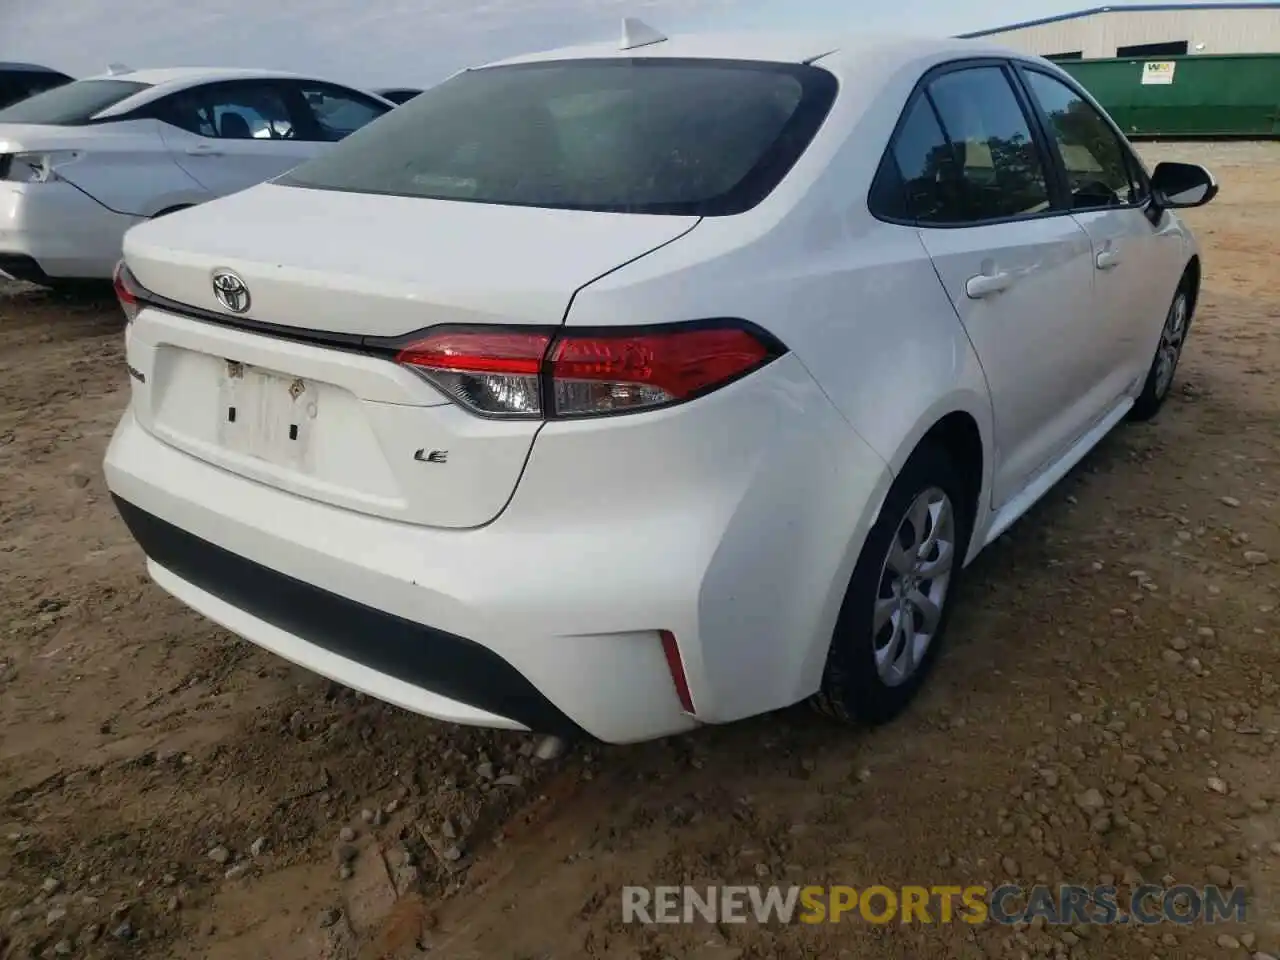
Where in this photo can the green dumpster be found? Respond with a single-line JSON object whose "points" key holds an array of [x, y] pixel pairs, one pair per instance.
{"points": [[1200, 95]]}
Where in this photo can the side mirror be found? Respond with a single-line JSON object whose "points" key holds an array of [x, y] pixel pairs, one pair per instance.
{"points": [[1176, 185]]}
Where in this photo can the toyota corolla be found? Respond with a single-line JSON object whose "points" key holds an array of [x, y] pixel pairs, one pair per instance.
{"points": [[633, 387]]}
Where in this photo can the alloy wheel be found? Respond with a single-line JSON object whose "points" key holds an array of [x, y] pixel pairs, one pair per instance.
{"points": [[1172, 337], [913, 586]]}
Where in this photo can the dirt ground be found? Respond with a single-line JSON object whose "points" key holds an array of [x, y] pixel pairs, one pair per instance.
{"points": [[167, 790]]}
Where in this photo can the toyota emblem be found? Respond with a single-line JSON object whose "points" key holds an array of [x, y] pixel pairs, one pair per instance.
{"points": [[230, 291]]}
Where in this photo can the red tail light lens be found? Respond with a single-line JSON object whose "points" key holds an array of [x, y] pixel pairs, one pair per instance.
{"points": [[512, 373], [675, 665], [126, 288], [597, 375]]}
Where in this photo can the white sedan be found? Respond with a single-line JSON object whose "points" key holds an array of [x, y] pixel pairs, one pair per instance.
{"points": [[635, 387], [82, 163]]}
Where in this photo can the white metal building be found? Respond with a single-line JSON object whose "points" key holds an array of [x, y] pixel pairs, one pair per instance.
{"points": [[1149, 30]]}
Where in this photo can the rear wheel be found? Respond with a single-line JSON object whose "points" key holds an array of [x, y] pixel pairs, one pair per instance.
{"points": [[1173, 335], [895, 612]]}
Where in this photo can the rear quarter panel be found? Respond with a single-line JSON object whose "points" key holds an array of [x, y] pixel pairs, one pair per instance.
{"points": [[857, 302], [128, 169]]}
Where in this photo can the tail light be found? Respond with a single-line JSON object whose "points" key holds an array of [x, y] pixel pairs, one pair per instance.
{"points": [[127, 289], [39, 166], [506, 372], [491, 372]]}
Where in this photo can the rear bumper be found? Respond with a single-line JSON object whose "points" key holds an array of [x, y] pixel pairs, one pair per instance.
{"points": [[426, 669], [733, 523], [54, 231], [463, 626]]}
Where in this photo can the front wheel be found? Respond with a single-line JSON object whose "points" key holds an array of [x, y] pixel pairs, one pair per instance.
{"points": [[895, 612], [1173, 335]]}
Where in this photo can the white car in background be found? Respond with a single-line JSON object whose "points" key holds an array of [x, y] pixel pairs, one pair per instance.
{"points": [[628, 388], [82, 163]]}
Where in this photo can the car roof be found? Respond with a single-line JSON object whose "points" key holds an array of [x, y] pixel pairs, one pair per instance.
{"points": [[188, 75], [162, 81], [798, 47], [29, 68]]}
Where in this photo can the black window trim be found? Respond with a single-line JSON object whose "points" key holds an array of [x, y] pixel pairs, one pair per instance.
{"points": [[1132, 164], [820, 89], [1059, 204], [1055, 170]]}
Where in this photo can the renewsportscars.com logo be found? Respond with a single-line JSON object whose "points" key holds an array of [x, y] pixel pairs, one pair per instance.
{"points": [[974, 904]]}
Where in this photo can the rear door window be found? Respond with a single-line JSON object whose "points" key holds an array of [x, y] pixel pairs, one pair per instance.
{"points": [[687, 137], [244, 110], [987, 165]]}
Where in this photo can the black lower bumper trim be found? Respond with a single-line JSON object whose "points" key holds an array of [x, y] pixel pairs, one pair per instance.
{"points": [[423, 656]]}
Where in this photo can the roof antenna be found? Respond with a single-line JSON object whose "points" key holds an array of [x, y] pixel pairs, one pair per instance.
{"points": [[637, 33], [116, 69]]}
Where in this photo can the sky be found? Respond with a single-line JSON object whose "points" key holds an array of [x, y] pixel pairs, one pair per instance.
{"points": [[373, 43]]}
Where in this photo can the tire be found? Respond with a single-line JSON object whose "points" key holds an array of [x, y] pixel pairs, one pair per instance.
{"points": [[1173, 337], [854, 687]]}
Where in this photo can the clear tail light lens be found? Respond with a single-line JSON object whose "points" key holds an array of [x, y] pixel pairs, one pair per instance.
{"points": [[126, 287], [504, 372], [490, 372]]}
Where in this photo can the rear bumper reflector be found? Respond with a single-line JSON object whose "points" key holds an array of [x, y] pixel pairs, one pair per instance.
{"points": [[675, 663], [440, 662]]}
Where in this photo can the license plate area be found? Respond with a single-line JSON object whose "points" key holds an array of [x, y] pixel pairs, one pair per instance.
{"points": [[267, 415]]}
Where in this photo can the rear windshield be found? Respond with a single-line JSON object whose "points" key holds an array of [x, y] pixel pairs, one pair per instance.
{"points": [[685, 137], [73, 103]]}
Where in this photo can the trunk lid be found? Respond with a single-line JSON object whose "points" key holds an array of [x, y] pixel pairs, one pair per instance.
{"points": [[22, 137], [33, 137], [334, 423], [373, 265]]}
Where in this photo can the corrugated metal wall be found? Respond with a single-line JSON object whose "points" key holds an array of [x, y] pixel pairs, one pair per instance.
{"points": [[1233, 30]]}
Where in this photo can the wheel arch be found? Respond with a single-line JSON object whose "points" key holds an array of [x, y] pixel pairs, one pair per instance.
{"points": [[170, 201], [962, 425], [174, 208], [1191, 277]]}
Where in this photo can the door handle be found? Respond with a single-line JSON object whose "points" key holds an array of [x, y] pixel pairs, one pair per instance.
{"points": [[203, 150], [1107, 259], [988, 284]]}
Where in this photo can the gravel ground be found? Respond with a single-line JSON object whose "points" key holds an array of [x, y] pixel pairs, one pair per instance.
{"points": [[1108, 709]]}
